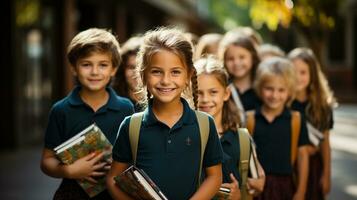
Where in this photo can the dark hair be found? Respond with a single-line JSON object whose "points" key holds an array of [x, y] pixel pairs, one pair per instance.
{"points": [[170, 39], [230, 113], [129, 48]]}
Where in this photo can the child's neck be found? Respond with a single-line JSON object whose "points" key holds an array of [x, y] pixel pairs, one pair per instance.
{"points": [[218, 123], [270, 114], [94, 99], [301, 96], [243, 84], [168, 113]]}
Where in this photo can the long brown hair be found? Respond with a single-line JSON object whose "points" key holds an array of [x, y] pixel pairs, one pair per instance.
{"points": [[320, 96], [241, 40], [170, 39], [230, 113]]}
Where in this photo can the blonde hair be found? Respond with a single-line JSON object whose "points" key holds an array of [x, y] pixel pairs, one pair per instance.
{"points": [[205, 41], [320, 96], [211, 66], [273, 67], [269, 50], [170, 39], [94, 40]]}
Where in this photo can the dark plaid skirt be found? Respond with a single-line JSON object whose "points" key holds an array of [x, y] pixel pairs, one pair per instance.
{"points": [[277, 188], [70, 189], [314, 190]]}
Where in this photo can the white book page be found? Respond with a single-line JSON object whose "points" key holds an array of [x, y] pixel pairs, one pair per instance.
{"points": [[74, 137], [77, 141]]}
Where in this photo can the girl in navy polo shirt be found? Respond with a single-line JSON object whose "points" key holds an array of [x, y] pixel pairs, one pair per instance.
{"points": [[315, 100], [272, 132], [240, 57], [94, 57], [169, 143], [214, 98]]}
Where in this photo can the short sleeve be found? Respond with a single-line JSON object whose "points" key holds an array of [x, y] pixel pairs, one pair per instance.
{"points": [[122, 148], [213, 153], [303, 137], [54, 129]]}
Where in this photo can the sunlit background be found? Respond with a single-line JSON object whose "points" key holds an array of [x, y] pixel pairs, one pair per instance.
{"points": [[35, 72]]}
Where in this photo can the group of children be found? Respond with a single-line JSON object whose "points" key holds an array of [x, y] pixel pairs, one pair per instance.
{"points": [[162, 75]]}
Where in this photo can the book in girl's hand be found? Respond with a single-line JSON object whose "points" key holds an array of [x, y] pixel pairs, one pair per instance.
{"points": [[222, 194], [90, 140], [136, 183], [253, 165]]}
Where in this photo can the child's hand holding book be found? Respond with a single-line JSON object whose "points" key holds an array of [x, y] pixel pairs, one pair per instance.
{"points": [[89, 167]]}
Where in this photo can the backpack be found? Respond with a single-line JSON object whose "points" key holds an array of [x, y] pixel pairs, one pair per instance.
{"points": [[203, 123], [295, 131]]}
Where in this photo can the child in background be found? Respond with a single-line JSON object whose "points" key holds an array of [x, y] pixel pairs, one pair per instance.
{"points": [[126, 78], [207, 44], [273, 131], [240, 58], [169, 143], [268, 50], [214, 98], [315, 100], [94, 57]]}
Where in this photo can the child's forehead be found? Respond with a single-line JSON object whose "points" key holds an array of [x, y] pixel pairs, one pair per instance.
{"points": [[165, 58]]}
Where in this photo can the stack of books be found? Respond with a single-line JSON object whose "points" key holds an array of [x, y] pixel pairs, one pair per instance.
{"points": [[137, 184], [90, 140]]}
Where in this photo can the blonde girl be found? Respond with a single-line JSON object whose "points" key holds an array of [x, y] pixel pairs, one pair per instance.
{"points": [[273, 131]]}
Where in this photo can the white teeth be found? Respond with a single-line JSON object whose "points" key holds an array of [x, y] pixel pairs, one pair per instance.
{"points": [[165, 90]]}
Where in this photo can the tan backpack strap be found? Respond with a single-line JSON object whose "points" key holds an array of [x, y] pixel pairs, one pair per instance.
{"points": [[203, 125], [134, 132], [295, 132], [244, 142], [250, 121]]}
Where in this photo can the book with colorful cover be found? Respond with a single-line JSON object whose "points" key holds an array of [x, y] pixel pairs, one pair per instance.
{"points": [[136, 183], [90, 140]]}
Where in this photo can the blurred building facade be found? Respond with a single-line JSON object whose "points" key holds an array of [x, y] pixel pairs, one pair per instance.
{"points": [[36, 73]]}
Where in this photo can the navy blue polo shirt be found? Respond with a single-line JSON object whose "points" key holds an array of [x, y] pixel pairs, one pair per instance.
{"points": [[249, 99], [71, 115], [273, 141], [231, 155], [301, 107], [170, 157]]}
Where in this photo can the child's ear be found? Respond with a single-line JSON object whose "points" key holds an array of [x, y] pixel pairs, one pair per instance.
{"points": [[73, 70], [114, 71], [227, 94]]}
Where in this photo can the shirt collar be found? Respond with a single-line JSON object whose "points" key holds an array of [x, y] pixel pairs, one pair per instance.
{"points": [[188, 116], [285, 113], [229, 136], [113, 101]]}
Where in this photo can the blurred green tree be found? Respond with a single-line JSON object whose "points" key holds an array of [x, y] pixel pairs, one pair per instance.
{"points": [[314, 19]]}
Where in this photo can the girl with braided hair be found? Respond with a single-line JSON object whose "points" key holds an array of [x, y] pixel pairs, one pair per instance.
{"points": [[169, 147]]}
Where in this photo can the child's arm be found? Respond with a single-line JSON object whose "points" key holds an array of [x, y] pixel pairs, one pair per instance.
{"points": [[326, 160], [256, 186], [84, 168], [303, 171], [211, 184], [116, 169]]}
